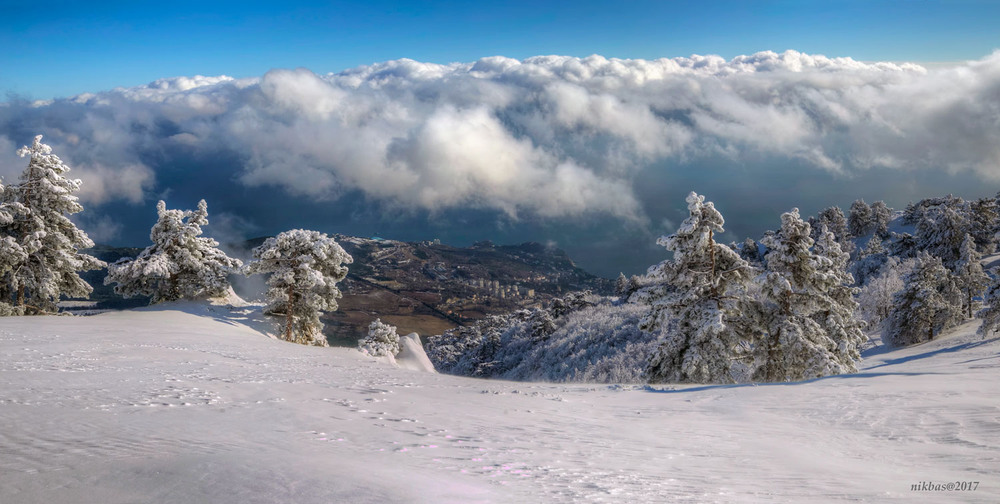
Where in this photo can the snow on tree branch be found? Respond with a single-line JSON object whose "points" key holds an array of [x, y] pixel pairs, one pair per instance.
{"points": [[304, 268], [180, 264], [39, 244]]}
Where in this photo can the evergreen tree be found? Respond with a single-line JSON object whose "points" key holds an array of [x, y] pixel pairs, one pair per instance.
{"points": [[791, 336], [840, 317], [699, 294], [634, 284], [903, 246], [12, 251], [969, 275], [180, 264], [381, 340], [870, 260], [991, 313], [305, 267], [750, 251], [450, 350], [915, 212], [810, 326], [574, 301], [927, 304], [833, 219], [881, 215], [984, 218], [621, 286], [861, 219], [941, 230], [877, 296], [873, 247], [542, 324], [911, 214], [43, 242]]}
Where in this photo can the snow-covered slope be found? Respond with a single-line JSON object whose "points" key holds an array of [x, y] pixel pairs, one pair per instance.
{"points": [[191, 404]]}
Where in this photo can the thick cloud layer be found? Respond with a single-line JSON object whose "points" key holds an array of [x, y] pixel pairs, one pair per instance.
{"points": [[547, 139]]}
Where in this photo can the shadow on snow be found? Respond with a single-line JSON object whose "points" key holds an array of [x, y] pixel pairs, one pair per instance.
{"points": [[701, 388], [932, 353]]}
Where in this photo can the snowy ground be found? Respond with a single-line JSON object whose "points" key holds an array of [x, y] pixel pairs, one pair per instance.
{"points": [[190, 405]]}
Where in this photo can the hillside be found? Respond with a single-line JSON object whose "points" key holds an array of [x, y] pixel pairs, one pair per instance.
{"points": [[427, 287], [422, 287], [189, 403]]}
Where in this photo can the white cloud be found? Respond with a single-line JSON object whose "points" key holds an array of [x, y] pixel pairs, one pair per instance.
{"points": [[102, 183], [230, 229], [99, 228], [552, 136], [302, 94], [10, 163]]}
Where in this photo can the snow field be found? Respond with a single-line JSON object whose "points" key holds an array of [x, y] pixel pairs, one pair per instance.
{"points": [[191, 403]]}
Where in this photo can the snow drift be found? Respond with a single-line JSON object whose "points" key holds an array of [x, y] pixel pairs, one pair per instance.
{"points": [[411, 354], [163, 405]]}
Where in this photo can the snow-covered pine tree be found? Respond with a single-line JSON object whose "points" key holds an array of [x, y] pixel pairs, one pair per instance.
{"points": [[991, 312], [928, 304], [791, 336], [942, 228], [969, 275], [542, 324], [810, 326], [860, 220], [814, 224], [870, 260], [479, 349], [903, 245], [39, 227], [180, 264], [381, 340], [915, 212], [911, 214], [621, 286], [832, 218], [448, 350], [634, 284], [696, 300], [881, 215], [12, 253], [485, 358], [750, 250], [996, 226], [877, 295], [305, 267], [841, 318], [985, 217], [573, 301]]}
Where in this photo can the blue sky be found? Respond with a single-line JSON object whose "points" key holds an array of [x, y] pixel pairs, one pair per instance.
{"points": [[62, 48]]}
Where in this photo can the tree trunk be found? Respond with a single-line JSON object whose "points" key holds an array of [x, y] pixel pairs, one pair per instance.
{"points": [[289, 318], [711, 251], [772, 356], [711, 254], [26, 201]]}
